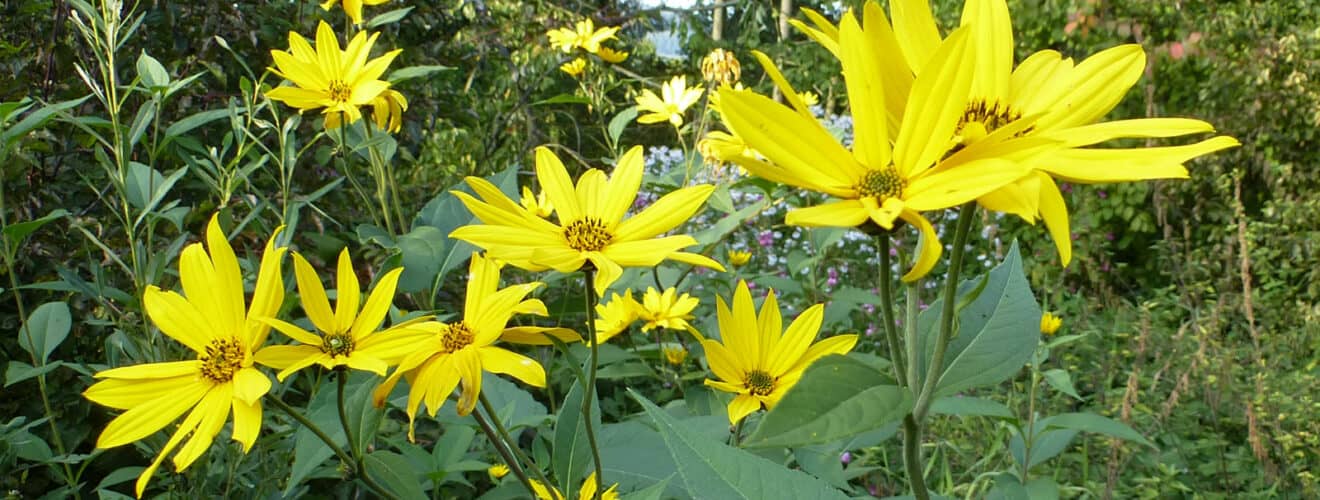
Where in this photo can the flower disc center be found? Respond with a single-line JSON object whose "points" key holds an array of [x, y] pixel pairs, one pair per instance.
{"points": [[339, 91], [882, 184], [458, 336], [222, 359], [587, 234], [759, 383], [338, 344]]}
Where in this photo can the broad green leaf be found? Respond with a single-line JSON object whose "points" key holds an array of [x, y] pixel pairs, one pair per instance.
{"points": [[424, 252], [151, 72], [392, 16], [193, 121], [712, 469], [411, 72], [1007, 487], [969, 406], [35, 120], [635, 457], [620, 122], [572, 453], [1044, 445], [1090, 422], [18, 371], [564, 99], [727, 224], [363, 416], [393, 471], [996, 333], [142, 183], [1061, 381], [309, 452], [652, 492], [837, 397], [1042, 488], [19, 231], [45, 330]]}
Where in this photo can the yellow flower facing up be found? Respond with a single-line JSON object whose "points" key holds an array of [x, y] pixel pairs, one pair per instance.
{"points": [[537, 204], [674, 354], [666, 310], [591, 228], [498, 471], [457, 353], [584, 35], [340, 81], [1049, 323], [757, 359], [614, 317], [574, 68], [352, 8], [586, 492], [674, 99], [1045, 98], [611, 56], [347, 337], [875, 183], [721, 67], [211, 319], [738, 258]]}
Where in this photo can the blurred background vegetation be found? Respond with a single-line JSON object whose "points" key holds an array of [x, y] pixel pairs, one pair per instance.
{"points": [[1199, 299]]}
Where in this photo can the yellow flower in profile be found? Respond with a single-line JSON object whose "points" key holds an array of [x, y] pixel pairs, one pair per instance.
{"points": [[341, 81], [348, 337], [458, 352], [757, 359], [809, 98], [586, 492], [674, 355], [666, 310], [538, 204], [614, 317], [1049, 323], [611, 56], [874, 183], [498, 471], [387, 110], [584, 35], [720, 67], [575, 67], [591, 228], [738, 258], [352, 8], [675, 98], [211, 319]]}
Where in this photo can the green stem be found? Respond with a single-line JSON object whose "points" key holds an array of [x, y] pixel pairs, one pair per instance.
{"points": [[325, 438], [948, 310], [502, 447], [1029, 436], [736, 439], [341, 376], [912, 458], [510, 444], [590, 393], [887, 309], [911, 306]]}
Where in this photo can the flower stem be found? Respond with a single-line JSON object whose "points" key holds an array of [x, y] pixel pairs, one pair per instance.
{"points": [[736, 438], [513, 445], [316, 430], [341, 376], [947, 313], [887, 309], [590, 393], [502, 447], [912, 458]]}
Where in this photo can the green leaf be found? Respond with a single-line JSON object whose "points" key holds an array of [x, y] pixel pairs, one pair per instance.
{"points": [[996, 333], [1042, 488], [564, 99], [1007, 487], [151, 72], [712, 469], [426, 250], [1044, 445], [635, 457], [411, 72], [45, 329], [309, 452], [572, 453], [395, 473], [18, 371], [620, 122], [142, 183], [392, 16], [837, 397], [727, 224], [1090, 422], [653, 492], [968, 406], [19, 231], [193, 121], [1061, 381]]}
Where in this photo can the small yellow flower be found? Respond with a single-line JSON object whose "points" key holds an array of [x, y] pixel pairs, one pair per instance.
{"points": [[575, 67], [616, 316], [809, 98], [586, 492], [675, 355], [584, 36], [353, 8], [498, 471], [387, 110], [341, 81], [538, 204], [720, 67], [756, 359], [675, 98], [611, 56], [666, 310], [1050, 323], [738, 258]]}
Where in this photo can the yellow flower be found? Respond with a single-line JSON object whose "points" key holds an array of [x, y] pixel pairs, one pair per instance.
{"points": [[538, 204], [348, 337], [675, 355], [353, 8], [759, 361], [809, 98], [614, 317], [341, 81], [1050, 323], [592, 229], [584, 36], [739, 258], [498, 471], [720, 67], [1046, 98], [387, 110], [666, 310], [210, 319], [611, 56], [874, 183], [458, 352], [575, 67], [586, 492], [677, 98]]}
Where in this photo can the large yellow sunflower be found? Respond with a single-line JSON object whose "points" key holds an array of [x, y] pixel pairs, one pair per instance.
{"points": [[341, 81], [874, 183], [757, 359], [348, 337], [458, 352], [592, 229], [1046, 97], [212, 320]]}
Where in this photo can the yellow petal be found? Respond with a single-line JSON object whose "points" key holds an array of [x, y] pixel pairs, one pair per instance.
{"points": [[646, 253], [178, 318], [1055, 212], [538, 335], [247, 423], [556, 184], [993, 34], [1098, 84], [744, 337], [268, 296], [151, 371], [607, 271], [378, 304], [939, 97], [838, 344], [312, 295], [228, 279], [801, 146], [769, 327], [792, 96], [250, 384], [845, 213], [966, 182], [189, 423], [1040, 81], [197, 275], [1087, 135], [866, 94], [124, 393], [497, 360], [283, 356], [796, 340], [293, 331], [1014, 199], [897, 72], [928, 246], [362, 361], [665, 214], [742, 406], [723, 364], [494, 311], [1119, 165], [623, 186], [214, 408], [348, 294], [144, 420], [915, 26], [696, 259], [469, 371]]}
